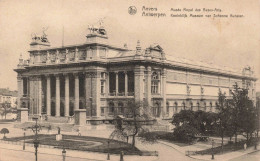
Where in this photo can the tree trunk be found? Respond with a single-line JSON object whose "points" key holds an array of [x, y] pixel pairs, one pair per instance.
{"points": [[133, 141], [222, 142]]}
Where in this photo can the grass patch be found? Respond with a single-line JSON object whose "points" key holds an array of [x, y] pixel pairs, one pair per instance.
{"points": [[82, 143], [226, 148], [166, 136]]}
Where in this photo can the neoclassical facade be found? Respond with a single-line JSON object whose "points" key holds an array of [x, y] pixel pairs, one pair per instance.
{"points": [[101, 79]]}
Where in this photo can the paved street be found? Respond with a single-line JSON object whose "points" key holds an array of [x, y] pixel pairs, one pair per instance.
{"points": [[18, 155], [255, 156]]}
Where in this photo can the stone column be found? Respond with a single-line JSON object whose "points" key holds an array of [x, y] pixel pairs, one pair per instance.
{"points": [[39, 95], [20, 90], [139, 76], [57, 95], [48, 95], [148, 85], [96, 92], [76, 103], [126, 84], [164, 73], [67, 95], [116, 83]]}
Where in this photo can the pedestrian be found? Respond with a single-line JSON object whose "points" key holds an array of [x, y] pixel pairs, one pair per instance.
{"points": [[245, 146], [79, 134]]}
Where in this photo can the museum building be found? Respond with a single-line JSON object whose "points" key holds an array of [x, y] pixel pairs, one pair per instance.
{"points": [[98, 80]]}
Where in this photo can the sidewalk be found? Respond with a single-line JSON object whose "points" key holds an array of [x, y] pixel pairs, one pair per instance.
{"points": [[220, 157]]}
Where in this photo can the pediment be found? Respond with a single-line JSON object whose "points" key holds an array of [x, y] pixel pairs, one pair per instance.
{"points": [[156, 47]]}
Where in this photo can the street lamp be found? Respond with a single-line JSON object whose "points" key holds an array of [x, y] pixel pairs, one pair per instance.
{"points": [[212, 149], [108, 155], [24, 140], [36, 128], [64, 153]]}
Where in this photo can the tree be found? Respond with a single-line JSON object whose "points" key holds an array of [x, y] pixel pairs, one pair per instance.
{"points": [[184, 116], [244, 113], [248, 117], [236, 109], [223, 116], [4, 131], [6, 108], [137, 116], [185, 133]]}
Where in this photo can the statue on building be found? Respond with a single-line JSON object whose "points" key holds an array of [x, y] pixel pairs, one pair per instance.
{"points": [[44, 35], [202, 90], [42, 38], [97, 29], [188, 90]]}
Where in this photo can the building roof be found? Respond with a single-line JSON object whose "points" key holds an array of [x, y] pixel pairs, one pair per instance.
{"points": [[7, 92]]}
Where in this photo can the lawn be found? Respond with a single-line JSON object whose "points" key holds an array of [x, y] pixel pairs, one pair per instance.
{"points": [[82, 143], [226, 148], [166, 136]]}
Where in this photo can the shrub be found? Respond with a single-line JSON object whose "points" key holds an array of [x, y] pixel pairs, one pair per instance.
{"points": [[185, 133], [4, 131]]}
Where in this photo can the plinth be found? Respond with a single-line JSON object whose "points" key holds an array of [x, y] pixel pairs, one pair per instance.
{"points": [[80, 116], [22, 114]]}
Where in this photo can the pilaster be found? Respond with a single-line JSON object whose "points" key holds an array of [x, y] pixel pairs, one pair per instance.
{"points": [[20, 90], [164, 74], [139, 76], [148, 86]]}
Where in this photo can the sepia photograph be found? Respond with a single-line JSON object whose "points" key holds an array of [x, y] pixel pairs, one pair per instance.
{"points": [[129, 80]]}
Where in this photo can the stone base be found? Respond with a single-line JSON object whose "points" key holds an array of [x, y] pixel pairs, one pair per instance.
{"points": [[80, 117], [58, 137], [22, 114]]}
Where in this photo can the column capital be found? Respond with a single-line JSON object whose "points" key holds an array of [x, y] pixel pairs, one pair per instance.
{"points": [[65, 74], [19, 77], [75, 74], [47, 75], [91, 74], [57, 76]]}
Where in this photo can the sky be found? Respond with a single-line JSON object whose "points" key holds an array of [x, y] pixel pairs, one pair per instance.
{"points": [[232, 42]]}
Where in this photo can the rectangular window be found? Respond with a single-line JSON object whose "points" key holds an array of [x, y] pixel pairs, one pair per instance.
{"points": [[102, 111], [154, 88], [102, 87]]}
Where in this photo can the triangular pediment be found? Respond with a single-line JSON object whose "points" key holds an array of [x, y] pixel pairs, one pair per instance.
{"points": [[156, 47]]}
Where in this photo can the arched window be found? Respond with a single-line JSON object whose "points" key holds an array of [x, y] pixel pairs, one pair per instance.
{"points": [[198, 105], [155, 83], [167, 107], [156, 109], [120, 108], [184, 106], [191, 106], [176, 107]]}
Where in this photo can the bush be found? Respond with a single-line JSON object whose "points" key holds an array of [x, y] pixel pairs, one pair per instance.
{"points": [[4, 131], [185, 133]]}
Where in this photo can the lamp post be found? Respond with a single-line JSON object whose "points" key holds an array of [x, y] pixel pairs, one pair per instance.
{"points": [[212, 157], [36, 128], [64, 153], [24, 141], [108, 155]]}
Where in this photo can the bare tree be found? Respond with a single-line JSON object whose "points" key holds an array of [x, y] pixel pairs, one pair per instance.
{"points": [[137, 116]]}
